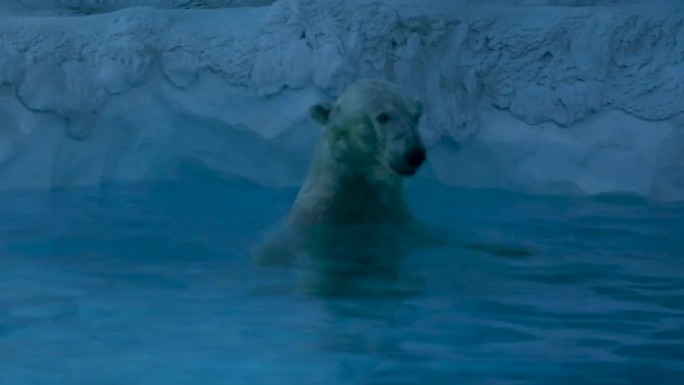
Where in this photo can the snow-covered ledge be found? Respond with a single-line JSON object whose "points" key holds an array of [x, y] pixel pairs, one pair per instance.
{"points": [[540, 99]]}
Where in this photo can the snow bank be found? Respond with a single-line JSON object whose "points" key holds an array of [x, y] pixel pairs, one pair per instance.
{"points": [[540, 99]]}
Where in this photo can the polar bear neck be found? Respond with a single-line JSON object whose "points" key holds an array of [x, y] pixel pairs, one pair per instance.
{"points": [[342, 189]]}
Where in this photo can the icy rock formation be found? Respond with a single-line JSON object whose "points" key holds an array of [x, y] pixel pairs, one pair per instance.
{"points": [[85, 7], [541, 99]]}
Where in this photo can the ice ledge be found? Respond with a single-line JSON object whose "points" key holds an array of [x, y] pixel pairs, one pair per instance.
{"points": [[552, 70], [89, 7]]}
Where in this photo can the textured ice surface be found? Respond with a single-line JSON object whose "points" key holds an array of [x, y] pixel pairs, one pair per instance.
{"points": [[558, 98], [85, 7]]}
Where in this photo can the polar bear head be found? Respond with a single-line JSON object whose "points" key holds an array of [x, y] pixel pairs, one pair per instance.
{"points": [[371, 123]]}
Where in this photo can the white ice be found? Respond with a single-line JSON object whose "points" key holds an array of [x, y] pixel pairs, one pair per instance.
{"points": [[536, 96]]}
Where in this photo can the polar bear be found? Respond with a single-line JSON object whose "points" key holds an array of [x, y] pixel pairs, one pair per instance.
{"points": [[369, 143], [350, 218]]}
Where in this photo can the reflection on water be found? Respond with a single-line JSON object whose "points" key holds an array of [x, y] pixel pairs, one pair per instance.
{"points": [[156, 285]]}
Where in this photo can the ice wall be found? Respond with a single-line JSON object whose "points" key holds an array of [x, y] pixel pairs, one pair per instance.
{"points": [[87, 7], [540, 99]]}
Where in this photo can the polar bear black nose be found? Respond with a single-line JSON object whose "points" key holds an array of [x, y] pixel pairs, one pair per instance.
{"points": [[415, 157]]}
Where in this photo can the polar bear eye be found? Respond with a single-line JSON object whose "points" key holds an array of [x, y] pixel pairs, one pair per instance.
{"points": [[382, 118]]}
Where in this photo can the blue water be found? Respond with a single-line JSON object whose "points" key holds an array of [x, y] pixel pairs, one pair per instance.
{"points": [[155, 285]]}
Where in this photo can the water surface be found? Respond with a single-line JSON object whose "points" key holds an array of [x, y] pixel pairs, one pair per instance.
{"points": [[154, 284]]}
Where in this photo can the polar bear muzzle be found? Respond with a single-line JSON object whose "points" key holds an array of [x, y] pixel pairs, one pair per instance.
{"points": [[404, 149]]}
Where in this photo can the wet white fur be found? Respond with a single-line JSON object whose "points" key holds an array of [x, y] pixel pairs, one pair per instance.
{"points": [[350, 180]]}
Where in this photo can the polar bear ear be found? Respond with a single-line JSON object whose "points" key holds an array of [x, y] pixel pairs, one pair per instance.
{"points": [[417, 109], [320, 112]]}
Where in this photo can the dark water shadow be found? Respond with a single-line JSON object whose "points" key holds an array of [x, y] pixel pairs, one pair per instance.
{"points": [[504, 250], [348, 260]]}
